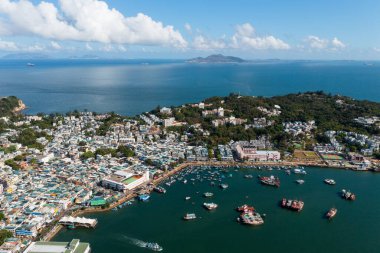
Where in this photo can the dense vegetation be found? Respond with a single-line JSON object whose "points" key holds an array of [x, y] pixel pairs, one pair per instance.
{"points": [[7, 105], [330, 112], [4, 234]]}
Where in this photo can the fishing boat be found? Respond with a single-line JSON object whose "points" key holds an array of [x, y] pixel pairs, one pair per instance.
{"points": [[295, 205], [190, 216], [153, 246], [348, 195], [271, 181], [329, 181], [331, 213], [159, 189], [144, 197], [301, 171], [251, 218], [300, 181], [223, 186], [210, 206], [208, 194], [245, 208]]}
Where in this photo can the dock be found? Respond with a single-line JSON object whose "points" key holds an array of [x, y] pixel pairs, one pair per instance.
{"points": [[78, 222]]}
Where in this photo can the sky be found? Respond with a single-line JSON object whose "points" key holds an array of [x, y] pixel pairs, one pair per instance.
{"points": [[251, 29]]}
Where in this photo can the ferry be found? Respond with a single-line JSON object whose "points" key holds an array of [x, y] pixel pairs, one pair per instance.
{"points": [[208, 194], [153, 246], [159, 189], [223, 186], [329, 181], [190, 216], [348, 195], [271, 181], [295, 205], [144, 197], [331, 213], [210, 206]]}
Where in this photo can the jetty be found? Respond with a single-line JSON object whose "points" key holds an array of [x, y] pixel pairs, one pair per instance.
{"points": [[78, 222]]}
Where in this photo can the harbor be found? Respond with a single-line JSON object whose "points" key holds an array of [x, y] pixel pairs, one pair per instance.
{"points": [[160, 219]]}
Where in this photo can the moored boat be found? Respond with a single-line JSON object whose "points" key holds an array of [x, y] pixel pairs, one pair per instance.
{"points": [[300, 181], [190, 216], [348, 195], [301, 171], [159, 189], [329, 181], [295, 205], [210, 206], [208, 194], [223, 186], [144, 197], [271, 181], [331, 213]]}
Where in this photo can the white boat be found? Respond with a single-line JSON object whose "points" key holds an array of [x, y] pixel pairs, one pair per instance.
{"points": [[329, 181], [300, 181], [210, 206]]}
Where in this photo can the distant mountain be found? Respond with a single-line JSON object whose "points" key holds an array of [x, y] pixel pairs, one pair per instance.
{"points": [[25, 56], [216, 58]]}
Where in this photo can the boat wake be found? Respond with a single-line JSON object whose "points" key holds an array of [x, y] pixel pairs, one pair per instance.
{"points": [[142, 244]]}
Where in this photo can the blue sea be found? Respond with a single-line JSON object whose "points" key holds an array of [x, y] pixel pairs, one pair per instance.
{"points": [[130, 87]]}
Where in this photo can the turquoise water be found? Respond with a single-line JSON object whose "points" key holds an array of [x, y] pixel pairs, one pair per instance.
{"points": [[130, 87], [354, 229]]}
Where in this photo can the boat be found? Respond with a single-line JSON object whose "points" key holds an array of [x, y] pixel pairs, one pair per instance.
{"points": [[300, 171], [187, 198], [245, 208], [210, 206], [223, 186], [159, 189], [208, 194], [271, 181], [348, 195], [300, 181], [248, 176], [185, 181], [331, 213], [295, 205], [251, 218], [144, 197], [30, 64], [153, 246], [329, 181], [190, 216], [71, 226]]}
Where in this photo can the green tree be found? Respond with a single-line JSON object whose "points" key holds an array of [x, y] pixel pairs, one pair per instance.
{"points": [[4, 234]]}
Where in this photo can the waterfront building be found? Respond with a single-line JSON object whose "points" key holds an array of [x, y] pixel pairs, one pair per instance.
{"points": [[75, 246], [249, 152], [125, 180]]}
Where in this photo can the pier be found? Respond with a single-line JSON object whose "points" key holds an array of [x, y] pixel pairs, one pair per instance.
{"points": [[78, 222]]}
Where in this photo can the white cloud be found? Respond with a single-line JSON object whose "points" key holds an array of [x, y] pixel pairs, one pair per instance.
{"points": [[86, 20], [376, 49], [315, 42], [55, 45], [121, 48], [202, 43], [8, 46], [89, 47], [188, 27], [337, 43], [245, 37]]}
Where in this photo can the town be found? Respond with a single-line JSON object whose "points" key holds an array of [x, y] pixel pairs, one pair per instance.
{"points": [[53, 167]]}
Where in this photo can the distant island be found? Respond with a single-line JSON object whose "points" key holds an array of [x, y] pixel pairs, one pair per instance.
{"points": [[216, 58], [25, 56]]}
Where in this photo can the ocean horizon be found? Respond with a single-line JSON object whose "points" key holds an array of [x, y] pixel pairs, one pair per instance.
{"points": [[130, 87]]}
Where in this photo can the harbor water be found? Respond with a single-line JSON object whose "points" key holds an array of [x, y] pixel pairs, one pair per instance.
{"points": [[354, 229]]}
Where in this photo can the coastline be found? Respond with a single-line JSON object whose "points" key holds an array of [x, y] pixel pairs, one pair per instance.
{"points": [[57, 228]]}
